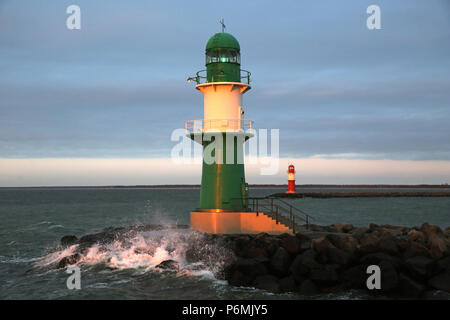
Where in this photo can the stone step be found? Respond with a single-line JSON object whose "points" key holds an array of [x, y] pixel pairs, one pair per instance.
{"points": [[283, 220]]}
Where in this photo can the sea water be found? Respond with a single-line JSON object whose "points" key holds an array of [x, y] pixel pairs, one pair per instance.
{"points": [[33, 221]]}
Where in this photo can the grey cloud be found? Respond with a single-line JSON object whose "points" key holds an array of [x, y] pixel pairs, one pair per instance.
{"points": [[116, 88]]}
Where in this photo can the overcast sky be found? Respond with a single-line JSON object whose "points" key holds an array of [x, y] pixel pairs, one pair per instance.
{"points": [[116, 89]]}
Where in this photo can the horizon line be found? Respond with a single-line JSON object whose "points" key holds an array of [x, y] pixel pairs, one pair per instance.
{"points": [[259, 185]]}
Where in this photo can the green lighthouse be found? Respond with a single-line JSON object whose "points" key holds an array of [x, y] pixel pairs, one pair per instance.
{"points": [[223, 185], [223, 206]]}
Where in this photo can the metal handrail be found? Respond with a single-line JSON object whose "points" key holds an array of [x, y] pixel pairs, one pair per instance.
{"points": [[295, 208], [218, 125], [276, 209], [199, 78], [246, 76], [286, 210]]}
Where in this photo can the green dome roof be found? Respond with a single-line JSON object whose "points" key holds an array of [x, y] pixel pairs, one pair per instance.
{"points": [[222, 40]]}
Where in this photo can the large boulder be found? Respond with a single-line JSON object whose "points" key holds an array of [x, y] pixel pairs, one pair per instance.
{"points": [[415, 249], [238, 279], [419, 266], [443, 264], [388, 244], [437, 244], [305, 242], [338, 256], [280, 262], [389, 276], [441, 281], [334, 238], [326, 275], [68, 240], [340, 228], [416, 235], [337, 227], [271, 245], [90, 239], [447, 232], [358, 233], [267, 282], [322, 245], [402, 243], [378, 257], [307, 287], [209, 249], [169, 265], [241, 243], [344, 242], [303, 264], [394, 231], [287, 284], [355, 277], [69, 260], [317, 228], [428, 229], [105, 236], [254, 250], [409, 287], [368, 243], [383, 232], [348, 244], [347, 228], [291, 244], [328, 250], [247, 268]]}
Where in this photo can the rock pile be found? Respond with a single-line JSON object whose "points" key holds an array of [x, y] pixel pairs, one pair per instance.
{"points": [[413, 261]]}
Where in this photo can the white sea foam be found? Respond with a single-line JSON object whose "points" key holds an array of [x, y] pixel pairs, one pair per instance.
{"points": [[55, 256], [143, 251]]}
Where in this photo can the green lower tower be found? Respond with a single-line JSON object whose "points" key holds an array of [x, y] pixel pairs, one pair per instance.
{"points": [[223, 181]]}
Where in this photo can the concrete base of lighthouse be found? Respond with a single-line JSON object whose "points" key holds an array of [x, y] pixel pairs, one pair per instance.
{"points": [[224, 222]]}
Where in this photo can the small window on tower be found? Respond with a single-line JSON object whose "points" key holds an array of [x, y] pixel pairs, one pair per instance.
{"points": [[212, 56], [224, 56], [233, 56], [215, 59]]}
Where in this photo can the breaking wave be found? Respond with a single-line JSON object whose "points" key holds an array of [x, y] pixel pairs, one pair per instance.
{"points": [[145, 251]]}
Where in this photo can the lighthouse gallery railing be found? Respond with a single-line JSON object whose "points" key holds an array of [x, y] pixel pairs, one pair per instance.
{"points": [[200, 77], [221, 125]]}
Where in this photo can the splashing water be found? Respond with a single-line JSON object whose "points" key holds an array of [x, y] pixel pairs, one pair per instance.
{"points": [[144, 251]]}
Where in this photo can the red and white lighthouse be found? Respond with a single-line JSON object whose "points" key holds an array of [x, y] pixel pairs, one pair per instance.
{"points": [[291, 179]]}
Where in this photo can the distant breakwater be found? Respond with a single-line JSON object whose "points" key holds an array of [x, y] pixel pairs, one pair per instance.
{"points": [[414, 262], [325, 195]]}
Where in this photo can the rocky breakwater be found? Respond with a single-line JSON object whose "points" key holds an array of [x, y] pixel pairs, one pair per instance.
{"points": [[371, 194], [414, 262]]}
